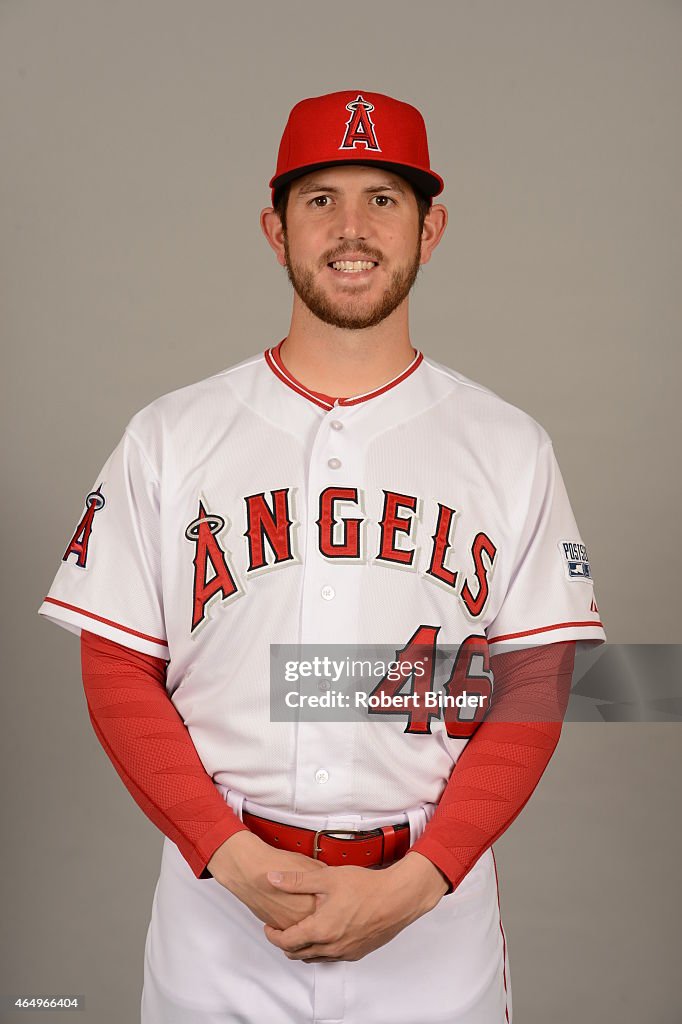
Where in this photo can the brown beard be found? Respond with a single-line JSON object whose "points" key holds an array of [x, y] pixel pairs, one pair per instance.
{"points": [[351, 317]]}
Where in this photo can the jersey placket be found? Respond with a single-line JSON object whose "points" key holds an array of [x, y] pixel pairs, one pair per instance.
{"points": [[329, 609]]}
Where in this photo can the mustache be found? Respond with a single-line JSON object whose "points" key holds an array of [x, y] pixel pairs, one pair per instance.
{"points": [[363, 254]]}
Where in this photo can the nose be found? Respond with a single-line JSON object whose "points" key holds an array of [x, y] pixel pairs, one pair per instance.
{"points": [[353, 219]]}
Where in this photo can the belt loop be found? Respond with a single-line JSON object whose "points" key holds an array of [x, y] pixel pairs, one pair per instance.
{"points": [[417, 820], [234, 799], [389, 844]]}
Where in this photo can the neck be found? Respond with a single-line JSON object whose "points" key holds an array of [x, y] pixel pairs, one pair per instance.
{"points": [[344, 363]]}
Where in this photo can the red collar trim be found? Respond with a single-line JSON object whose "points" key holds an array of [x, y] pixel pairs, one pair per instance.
{"points": [[274, 361]]}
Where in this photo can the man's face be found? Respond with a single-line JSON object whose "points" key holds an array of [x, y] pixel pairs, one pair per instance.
{"points": [[356, 213]]}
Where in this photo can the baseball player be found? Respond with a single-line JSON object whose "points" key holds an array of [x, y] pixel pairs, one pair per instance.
{"points": [[337, 488]]}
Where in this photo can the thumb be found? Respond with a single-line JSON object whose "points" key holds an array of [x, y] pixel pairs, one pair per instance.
{"points": [[299, 881]]}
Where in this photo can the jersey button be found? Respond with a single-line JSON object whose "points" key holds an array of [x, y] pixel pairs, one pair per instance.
{"points": [[324, 685], [321, 776], [328, 593], [336, 425], [334, 463]]}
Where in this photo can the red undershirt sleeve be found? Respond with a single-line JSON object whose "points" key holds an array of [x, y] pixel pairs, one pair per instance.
{"points": [[502, 763], [150, 747]]}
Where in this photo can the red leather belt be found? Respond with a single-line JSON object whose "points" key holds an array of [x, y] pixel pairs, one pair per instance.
{"points": [[375, 847]]}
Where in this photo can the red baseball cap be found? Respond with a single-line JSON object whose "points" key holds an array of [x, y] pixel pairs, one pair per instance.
{"points": [[356, 127]]}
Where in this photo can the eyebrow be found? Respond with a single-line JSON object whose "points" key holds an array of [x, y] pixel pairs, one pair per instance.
{"points": [[315, 186]]}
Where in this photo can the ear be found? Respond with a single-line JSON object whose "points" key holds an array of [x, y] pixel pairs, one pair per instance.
{"points": [[271, 226], [434, 225]]}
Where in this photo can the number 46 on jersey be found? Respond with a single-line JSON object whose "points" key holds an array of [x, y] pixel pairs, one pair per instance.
{"points": [[464, 700]]}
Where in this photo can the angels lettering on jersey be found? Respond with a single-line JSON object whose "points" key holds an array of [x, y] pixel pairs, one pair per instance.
{"points": [[270, 523]]}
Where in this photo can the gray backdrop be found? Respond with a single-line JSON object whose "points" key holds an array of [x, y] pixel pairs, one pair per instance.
{"points": [[138, 139]]}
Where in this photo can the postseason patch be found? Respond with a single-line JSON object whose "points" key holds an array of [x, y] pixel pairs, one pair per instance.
{"points": [[575, 560]]}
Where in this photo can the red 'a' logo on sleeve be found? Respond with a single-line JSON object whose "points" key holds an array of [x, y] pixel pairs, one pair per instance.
{"points": [[359, 127], [78, 545], [203, 532]]}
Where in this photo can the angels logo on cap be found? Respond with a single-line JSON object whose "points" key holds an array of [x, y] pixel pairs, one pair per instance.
{"points": [[380, 131], [359, 127]]}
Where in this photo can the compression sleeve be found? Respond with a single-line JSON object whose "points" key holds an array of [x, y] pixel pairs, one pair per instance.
{"points": [[150, 747], [502, 763]]}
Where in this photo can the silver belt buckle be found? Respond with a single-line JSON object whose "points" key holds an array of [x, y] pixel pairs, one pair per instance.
{"points": [[337, 832]]}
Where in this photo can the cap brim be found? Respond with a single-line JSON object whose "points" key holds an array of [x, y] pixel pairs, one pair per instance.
{"points": [[429, 184]]}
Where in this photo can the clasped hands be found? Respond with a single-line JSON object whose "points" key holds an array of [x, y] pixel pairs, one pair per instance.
{"points": [[317, 913]]}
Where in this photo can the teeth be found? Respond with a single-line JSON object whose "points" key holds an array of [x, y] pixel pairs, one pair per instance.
{"points": [[353, 267]]}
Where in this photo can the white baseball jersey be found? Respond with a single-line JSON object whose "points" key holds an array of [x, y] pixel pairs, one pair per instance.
{"points": [[245, 510]]}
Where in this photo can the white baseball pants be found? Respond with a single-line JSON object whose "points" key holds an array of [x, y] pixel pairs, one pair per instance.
{"points": [[207, 960]]}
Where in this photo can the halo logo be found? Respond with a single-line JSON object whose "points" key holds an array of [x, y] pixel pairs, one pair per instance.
{"points": [[359, 126]]}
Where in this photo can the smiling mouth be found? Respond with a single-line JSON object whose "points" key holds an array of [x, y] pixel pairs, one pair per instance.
{"points": [[352, 266]]}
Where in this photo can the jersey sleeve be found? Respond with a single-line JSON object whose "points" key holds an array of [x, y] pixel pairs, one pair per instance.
{"points": [[549, 594], [109, 580]]}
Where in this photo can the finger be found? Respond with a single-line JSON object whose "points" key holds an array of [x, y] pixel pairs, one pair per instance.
{"points": [[271, 932], [300, 881], [293, 939], [312, 954]]}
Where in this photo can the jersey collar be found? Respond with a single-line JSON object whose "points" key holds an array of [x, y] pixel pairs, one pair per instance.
{"points": [[274, 361]]}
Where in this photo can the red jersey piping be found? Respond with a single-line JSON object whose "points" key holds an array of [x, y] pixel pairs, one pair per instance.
{"points": [[274, 361], [504, 941], [542, 629], [107, 622]]}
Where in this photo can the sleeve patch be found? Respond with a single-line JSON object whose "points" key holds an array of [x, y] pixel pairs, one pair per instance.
{"points": [[79, 543], [575, 559]]}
